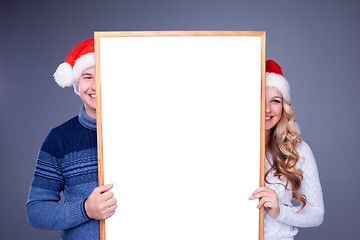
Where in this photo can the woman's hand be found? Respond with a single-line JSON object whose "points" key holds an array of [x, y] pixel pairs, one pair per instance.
{"points": [[269, 199], [101, 203]]}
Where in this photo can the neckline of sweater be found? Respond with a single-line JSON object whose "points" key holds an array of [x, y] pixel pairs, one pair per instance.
{"points": [[86, 120]]}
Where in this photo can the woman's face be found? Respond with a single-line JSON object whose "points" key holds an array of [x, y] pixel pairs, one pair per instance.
{"points": [[273, 108]]}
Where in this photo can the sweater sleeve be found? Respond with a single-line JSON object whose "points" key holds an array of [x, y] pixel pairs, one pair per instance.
{"points": [[312, 214], [43, 208]]}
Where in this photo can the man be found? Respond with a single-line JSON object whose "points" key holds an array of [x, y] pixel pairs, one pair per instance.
{"points": [[67, 161]]}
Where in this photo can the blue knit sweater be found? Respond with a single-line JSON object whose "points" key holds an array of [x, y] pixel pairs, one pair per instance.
{"points": [[67, 163]]}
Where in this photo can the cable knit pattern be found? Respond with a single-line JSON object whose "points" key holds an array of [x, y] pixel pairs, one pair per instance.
{"points": [[67, 163], [285, 225]]}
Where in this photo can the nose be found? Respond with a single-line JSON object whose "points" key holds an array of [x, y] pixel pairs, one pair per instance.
{"points": [[267, 107], [93, 84]]}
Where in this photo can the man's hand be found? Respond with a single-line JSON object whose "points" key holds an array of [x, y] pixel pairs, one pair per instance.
{"points": [[101, 203]]}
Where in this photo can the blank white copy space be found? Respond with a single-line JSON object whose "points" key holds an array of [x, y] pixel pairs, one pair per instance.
{"points": [[181, 136]]}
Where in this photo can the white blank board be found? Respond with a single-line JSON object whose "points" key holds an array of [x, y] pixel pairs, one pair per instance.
{"points": [[181, 135]]}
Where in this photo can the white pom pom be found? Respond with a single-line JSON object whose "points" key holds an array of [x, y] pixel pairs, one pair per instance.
{"points": [[296, 127], [64, 75]]}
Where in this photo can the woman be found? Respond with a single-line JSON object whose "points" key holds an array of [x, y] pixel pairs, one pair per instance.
{"points": [[292, 195]]}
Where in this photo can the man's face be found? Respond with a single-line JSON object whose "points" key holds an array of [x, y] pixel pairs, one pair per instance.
{"points": [[87, 91]]}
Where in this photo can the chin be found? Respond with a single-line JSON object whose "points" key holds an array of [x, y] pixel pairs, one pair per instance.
{"points": [[267, 128], [92, 105]]}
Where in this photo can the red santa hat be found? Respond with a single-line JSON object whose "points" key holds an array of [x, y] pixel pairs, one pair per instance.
{"points": [[79, 59], [275, 78]]}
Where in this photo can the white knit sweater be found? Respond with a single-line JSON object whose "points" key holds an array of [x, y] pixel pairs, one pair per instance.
{"points": [[284, 227]]}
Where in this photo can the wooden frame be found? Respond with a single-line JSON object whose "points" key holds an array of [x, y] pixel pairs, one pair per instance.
{"points": [[100, 97]]}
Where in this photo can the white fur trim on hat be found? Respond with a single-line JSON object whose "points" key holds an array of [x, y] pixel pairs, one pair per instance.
{"points": [[84, 62], [280, 83], [66, 76]]}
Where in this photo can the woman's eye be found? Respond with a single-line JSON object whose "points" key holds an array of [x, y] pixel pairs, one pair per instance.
{"points": [[275, 101]]}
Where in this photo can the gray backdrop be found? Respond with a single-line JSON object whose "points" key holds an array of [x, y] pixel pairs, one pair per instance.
{"points": [[315, 42]]}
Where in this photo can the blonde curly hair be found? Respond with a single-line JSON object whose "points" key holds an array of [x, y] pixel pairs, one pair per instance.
{"points": [[281, 146]]}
